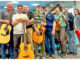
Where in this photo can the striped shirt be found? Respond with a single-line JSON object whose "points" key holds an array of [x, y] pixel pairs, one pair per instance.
{"points": [[38, 18]]}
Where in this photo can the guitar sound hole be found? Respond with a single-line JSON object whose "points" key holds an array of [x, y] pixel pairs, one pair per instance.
{"points": [[5, 29], [6, 33]]}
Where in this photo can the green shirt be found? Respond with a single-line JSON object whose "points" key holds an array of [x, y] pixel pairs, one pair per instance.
{"points": [[63, 24], [38, 18]]}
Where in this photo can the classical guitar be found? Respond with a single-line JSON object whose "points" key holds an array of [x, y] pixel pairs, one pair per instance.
{"points": [[25, 49], [39, 38], [5, 30]]}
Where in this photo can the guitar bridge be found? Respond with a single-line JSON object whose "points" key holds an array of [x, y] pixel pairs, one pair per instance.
{"points": [[26, 56]]}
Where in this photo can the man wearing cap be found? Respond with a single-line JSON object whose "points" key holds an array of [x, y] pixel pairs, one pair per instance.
{"points": [[38, 18]]}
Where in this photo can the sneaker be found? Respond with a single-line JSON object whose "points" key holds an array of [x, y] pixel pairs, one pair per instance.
{"points": [[47, 56], [38, 57], [42, 57], [62, 54], [74, 53], [70, 53], [53, 56]]}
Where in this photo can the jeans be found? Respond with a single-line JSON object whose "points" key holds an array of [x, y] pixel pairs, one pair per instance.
{"points": [[71, 41], [49, 43], [3, 51]]}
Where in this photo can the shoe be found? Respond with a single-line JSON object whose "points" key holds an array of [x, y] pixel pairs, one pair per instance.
{"points": [[70, 53], [62, 54], [47, 56], [74, 53], [38, 57], [42, 57], [53, 56]]}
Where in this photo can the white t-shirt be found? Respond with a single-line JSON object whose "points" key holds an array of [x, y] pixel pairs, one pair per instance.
{"points": [[18, 29]]}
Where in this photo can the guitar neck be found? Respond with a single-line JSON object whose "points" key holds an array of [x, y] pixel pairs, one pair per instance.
{"points": [[24, 33]]}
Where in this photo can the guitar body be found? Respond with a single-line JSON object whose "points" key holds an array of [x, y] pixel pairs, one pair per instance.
{"points": [[26, 54], [58, 25], [5, 34], [39, 38]]}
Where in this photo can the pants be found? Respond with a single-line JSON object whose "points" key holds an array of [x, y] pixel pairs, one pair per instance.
{"points": [[71, 41], [40, 53], [29, 37], [3, 49], [78, 35], [61, 35], [17, 40], [49, 43]]}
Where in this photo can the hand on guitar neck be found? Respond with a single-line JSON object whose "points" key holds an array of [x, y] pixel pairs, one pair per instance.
{"points": [[43, 23]]}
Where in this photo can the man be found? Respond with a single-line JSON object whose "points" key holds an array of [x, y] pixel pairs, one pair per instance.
{"points": [[45, 10], [38, 18], [5, 17], [18, 28], [60, 35], [51, 5], [29, 24], [70, 32], [49, 35]]}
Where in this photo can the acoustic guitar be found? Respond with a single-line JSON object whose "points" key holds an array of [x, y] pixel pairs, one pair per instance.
{"points": [[58, 22], [5, 30], [25, 49], [39, 38]]}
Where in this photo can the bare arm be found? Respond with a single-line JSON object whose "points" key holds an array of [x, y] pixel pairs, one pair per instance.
{"points": [[54, 25], [15, 22], [31, 21], [4, 21]]}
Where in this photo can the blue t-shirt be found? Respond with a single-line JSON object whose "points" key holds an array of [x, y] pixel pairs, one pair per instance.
{"points": [[49, 21]]}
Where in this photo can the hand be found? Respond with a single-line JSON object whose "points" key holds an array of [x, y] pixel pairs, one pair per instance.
{"points": [[20, 19], [67, 18], [62, 15], [38, 32], [43, 23], [7, 21], [53, 32]]}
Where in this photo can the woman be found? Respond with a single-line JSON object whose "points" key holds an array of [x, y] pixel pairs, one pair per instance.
{"points": [[77, 23]]}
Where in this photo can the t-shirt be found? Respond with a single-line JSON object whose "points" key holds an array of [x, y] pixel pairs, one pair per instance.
{"points": [[5, 15], [63, 24], [18, 29], [30, 16], [49, 20], [38, 18]]}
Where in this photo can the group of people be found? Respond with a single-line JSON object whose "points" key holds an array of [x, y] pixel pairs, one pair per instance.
{"points": [[69, 24]]}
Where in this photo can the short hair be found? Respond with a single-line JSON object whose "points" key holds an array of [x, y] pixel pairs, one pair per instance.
{"points": [[50, 3], [19, 6], [38, 6], [77, 10]]}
